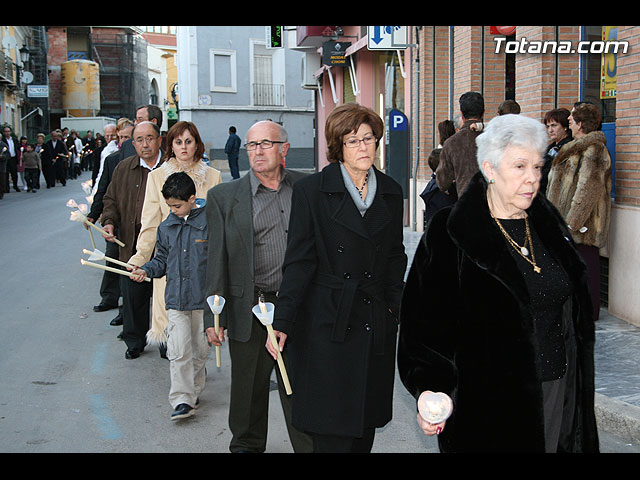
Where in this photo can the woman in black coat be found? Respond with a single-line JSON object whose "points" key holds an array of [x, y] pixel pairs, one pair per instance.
{"points": [[557, 123], [496, 311], [342, 282]]}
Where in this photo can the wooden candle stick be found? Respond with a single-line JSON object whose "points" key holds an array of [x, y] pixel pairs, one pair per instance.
{"points": [[78, 216], [93, 242], [98, 255], [110, 269], [93, 225], [267, 323]]}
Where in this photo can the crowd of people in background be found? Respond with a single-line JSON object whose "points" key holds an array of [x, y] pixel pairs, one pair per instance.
{"points": [[50, 160]]}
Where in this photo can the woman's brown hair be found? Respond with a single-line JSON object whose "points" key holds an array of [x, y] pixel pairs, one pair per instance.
{"points": [[560, 115], [346, 119], [589, 115], [177, 130]]}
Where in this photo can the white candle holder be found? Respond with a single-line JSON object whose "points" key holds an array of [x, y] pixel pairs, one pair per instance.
{"points": [[216, 304], [264, 311], [434, 407]]}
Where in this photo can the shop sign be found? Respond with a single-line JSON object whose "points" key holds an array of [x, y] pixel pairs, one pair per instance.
{"points": [[334, 53], [381, 37], [502, 30], [37, 91], [608, 68]]}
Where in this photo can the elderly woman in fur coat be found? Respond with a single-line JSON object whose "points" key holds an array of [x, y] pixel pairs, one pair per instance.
{"points": [[496, 313], [580, 188]]}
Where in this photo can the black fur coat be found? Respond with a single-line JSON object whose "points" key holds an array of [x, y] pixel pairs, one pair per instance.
{"points": [[466, 329]]}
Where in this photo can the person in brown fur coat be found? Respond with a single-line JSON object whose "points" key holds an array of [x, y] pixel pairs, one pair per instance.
{"points": [[580, 188]]}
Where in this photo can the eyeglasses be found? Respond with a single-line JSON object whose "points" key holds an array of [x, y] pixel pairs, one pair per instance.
{"points": [[355, 142], [148, 139], [264, 144]]}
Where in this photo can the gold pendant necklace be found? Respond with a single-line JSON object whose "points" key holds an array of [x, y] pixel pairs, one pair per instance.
{"points": [[522, 250]]}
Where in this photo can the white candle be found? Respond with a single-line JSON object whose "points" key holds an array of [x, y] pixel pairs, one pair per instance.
{"points": [[110, 269], [216, 319]]}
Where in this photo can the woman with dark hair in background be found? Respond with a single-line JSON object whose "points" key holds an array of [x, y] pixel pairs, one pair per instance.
{"points": [[557, 123], [434, 198]]}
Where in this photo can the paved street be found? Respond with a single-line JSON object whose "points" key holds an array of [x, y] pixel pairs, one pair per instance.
{"points": [[65, 384]]}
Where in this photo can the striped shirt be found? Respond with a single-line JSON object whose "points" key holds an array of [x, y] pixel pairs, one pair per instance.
{"points": [[271, 210]]}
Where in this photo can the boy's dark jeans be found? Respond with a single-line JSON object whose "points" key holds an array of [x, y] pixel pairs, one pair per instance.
{"points": [[31, 176]]}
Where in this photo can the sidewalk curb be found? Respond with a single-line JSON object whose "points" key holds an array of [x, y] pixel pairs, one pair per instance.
{"points": [[618, 417]]}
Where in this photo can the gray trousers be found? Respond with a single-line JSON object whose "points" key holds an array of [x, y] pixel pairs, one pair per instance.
{"points": [[553, 404], [187, 351]]}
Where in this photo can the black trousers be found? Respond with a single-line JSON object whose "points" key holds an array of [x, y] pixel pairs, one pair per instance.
{"points": [[12, 170], [49, 174], [251, 368], [31, 176], [61, 171], [136, 312], [591, 256], [337, 444], [3, 181], [110, 286]]}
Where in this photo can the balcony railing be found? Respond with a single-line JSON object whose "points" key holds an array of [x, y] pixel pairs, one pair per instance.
{"points": [[7, 70], [268, 94]]}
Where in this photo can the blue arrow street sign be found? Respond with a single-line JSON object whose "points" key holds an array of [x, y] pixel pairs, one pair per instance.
{"points": [[376, 38], [384, 37]]}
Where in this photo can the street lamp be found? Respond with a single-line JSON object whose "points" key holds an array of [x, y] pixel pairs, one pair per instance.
{"points": [[24, 54]]}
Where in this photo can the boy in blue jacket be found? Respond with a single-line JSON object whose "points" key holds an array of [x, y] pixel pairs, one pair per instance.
{"points": [[181, 255]]}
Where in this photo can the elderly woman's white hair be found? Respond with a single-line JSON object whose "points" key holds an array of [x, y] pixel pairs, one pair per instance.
{"points": [[510, 131]]}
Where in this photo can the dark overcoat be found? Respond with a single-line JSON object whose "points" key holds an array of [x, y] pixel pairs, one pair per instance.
{"points": [[342, 282], [467, 329]]}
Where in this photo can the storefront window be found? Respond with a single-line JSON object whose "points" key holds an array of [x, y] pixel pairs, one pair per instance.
{"points": [[389, 88], [592, 76], [510, 72]]}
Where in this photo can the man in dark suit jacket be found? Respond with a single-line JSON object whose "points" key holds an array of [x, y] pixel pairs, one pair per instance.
{"points": [[4, 158], [53, 157], [248, 220], [12, 158], [232, 149], [89, 146]]}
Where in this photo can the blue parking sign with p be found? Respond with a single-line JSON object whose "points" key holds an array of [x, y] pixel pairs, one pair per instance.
{"points": [[397, 121]]}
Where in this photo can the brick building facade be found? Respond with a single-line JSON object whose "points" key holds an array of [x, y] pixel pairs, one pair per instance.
{"points": [[453, 60]]}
